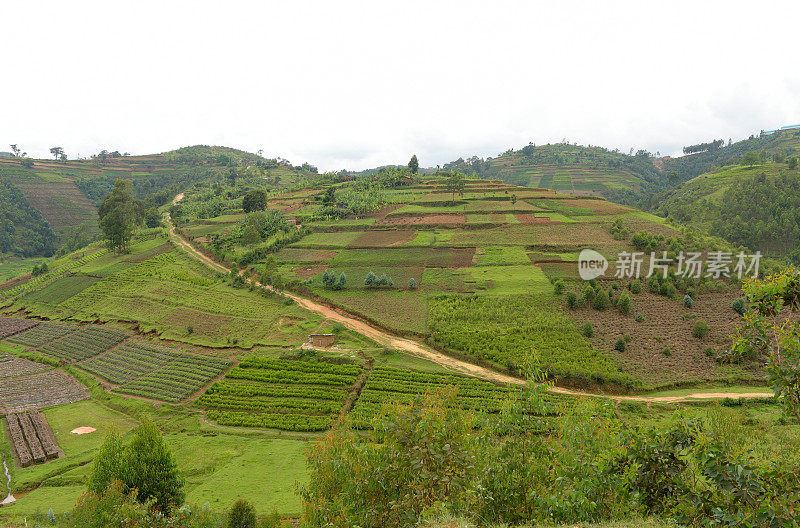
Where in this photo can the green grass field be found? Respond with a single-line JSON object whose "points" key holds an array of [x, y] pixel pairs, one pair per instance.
{"points": [[219, 467]]}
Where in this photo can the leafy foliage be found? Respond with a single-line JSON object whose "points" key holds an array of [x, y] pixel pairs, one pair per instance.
{"points": [[23, 231], [503, 330], [144, 466], [119, 215]]}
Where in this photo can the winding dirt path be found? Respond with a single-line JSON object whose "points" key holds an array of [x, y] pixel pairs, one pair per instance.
{"points": [[417, 349]]}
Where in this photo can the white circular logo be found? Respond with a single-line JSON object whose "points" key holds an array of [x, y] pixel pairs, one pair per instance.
{"points": [[591, 264]]}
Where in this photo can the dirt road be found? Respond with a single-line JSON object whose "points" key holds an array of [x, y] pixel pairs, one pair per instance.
{"points": [[417, 349]]}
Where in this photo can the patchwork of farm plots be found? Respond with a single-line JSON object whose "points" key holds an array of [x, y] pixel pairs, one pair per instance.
{"points": [[134, 368], [307, 395], [501, 242]]}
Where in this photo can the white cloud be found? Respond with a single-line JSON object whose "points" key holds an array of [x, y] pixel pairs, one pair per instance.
{"points": [[359, 84]]}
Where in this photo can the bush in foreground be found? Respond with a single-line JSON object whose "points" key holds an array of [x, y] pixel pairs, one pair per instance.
{"points": [[427, 460]]}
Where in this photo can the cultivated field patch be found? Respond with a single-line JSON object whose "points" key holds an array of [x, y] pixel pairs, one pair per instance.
{"points": [[88, 341], [10, 326], [383, 238], [177, 379], [424, 219], [42, 334], [40, 389], [11, 366], [288, 394]]}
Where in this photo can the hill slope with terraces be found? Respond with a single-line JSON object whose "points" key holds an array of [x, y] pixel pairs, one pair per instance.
{"points": [[473, 275], [67, 193]]}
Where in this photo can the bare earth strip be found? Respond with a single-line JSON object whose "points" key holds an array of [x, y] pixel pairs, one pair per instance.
{"points": [[420, 350]]}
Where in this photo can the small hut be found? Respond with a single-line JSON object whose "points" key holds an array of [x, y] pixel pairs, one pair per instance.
{"points": [[322, 340]]}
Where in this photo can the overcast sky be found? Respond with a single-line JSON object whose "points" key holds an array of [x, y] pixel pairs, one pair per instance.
{"points": [[360, 84]]}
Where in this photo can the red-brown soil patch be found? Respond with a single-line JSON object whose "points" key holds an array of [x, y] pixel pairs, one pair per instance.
{"points": [[432, 219], [462, 257], [668, 324], [306, 272], [383, 238], [532, 219]]}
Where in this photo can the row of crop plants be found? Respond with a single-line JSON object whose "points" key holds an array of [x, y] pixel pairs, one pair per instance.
{"points": [[386, 386], [178, 379], [129, 361], [87, 342], [288, 394], [42, 334]]}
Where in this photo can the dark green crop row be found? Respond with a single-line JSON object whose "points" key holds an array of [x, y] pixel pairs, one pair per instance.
{"points": [[320, 367], [287, 422], [242, 389], [291, 376], [277, 405]]}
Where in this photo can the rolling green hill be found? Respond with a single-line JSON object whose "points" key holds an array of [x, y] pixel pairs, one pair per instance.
{"points": [[785, 143], [66, 193], [571, 169], [474, 274], [754, 206]]}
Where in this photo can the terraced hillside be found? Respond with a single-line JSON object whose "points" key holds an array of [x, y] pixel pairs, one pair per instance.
{"points": [[571, 169], [474, 274], [67, 193]]}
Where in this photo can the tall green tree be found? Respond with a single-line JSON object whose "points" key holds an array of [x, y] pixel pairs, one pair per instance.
{"points": [[107, 464], [255, 200], [751, 158], [413, 164], [57, 152], [145, 465], [119, 214], [455, 184], [767, 331]]}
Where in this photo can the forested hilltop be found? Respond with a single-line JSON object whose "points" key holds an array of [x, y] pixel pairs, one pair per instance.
{"points": [[750, 198]]}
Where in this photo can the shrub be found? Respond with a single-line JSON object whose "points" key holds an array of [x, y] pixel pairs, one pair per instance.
{"points": [[667, 289], [700, 329], [667, 352], [242, 515], [709, 352], [588, 294], [587, 330], [558, 287], [687, 301], [653, 284], [572, 300], [620, 345], [635, 286], [639, 317], [624, 304], [739, 306], [412, 283], [690, 291], [601, 300]]}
